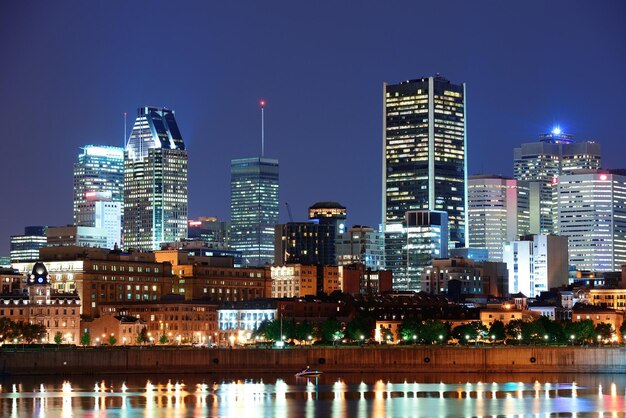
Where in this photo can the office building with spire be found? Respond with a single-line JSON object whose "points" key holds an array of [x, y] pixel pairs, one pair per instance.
{"points": [[424, 169], [254, 204], [155, 181]]}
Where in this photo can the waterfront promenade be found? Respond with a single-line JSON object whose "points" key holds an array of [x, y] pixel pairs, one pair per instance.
{"points": [[427, 359]]}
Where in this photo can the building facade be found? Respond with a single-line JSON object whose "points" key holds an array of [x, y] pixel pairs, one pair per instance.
{"points": [[103, 213], [591, 212], [361, 244], [39, 303], [536, 263], [424, 162], [99, 275], [155, 181], [498, 212], [254, 208]]}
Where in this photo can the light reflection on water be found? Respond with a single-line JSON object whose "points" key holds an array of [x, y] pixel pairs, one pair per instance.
{"points": [[332, 395]]}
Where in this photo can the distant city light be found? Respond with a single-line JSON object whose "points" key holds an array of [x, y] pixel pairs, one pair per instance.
{"points": [[603, 177]]}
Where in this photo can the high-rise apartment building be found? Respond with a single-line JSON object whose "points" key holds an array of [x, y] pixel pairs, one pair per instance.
{"points": [[540, 163], [254, 208], [155, 181], [424, 163], [498, 212], [98, 175], [590, 210]]}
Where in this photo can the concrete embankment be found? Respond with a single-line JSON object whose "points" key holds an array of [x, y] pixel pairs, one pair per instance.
{"points": [[366, 359]]}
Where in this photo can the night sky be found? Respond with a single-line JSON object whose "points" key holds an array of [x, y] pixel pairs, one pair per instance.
{"points": [[69, 70]]}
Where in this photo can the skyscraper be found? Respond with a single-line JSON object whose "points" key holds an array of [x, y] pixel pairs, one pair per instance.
{"points": [[155, 181], [539, 163], [254, 208], [424, 163], [498, 212], [98, 173], [591, 213]]}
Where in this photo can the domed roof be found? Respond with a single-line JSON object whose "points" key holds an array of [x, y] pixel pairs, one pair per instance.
{"points": [[39, 275]]}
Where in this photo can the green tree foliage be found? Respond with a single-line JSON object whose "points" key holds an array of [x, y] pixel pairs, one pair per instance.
{"points": [[302, 331], [497, 331], [430, 330], [85, 339], [163, 339], [605, 331], [472, 331], [112, 340], [142, 336], [360, 326], [58, 338], [513, 330], [31, 332], [581, 330], [331, 330], [408, 328]]}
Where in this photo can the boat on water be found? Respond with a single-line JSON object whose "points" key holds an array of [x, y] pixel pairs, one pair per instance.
{"points": [[308, 373]]}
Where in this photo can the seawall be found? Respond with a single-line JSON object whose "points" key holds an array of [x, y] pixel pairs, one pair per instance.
{"points": [[366, 359]]}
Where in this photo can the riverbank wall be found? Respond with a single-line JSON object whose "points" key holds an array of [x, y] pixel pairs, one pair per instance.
{"points": [[341, 359]]}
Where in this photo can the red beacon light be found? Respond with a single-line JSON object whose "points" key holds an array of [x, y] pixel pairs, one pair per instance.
{"points": [[603, 177], [262, 103]]}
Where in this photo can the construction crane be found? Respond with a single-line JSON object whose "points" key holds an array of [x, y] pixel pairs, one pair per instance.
{"points": [[289, 211]]}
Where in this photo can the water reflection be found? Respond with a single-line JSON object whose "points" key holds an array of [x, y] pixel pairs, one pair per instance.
{"points": [[337, 396]]}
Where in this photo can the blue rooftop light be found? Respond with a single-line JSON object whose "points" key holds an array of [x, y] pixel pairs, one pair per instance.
{"points": [[556, 130]]}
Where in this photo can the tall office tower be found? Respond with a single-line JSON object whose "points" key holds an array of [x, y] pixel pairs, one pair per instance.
{"points": [[155, 181], [361, 244], [536, 263], [591, 212], [98, 172], [541, 162], [25, 248], [424, 162], [254, 208], [498, 212]]}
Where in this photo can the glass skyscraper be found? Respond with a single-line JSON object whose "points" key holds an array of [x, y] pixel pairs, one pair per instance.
{"points": [[254, 208], [424, 165], [25, 248], [155, 181], [98, 175]]}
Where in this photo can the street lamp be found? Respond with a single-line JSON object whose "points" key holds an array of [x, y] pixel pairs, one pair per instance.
{"points": [[571, 337], [545, 337], [440, 339]]}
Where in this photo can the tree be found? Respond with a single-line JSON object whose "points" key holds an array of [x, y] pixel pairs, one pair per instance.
{"points": [[431, 330], [58, 338], [142, 336], [604, 331], [302, 331], [112, 340], [331, 330], [469, 332], [6, 327], [497, 331], [409, 328], [386, 335], [32, 332], [361, 326], [580, 330], [513, 330], [85, 339]]}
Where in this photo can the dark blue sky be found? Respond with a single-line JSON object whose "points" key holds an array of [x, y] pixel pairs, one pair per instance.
{"points": [[70, 69]]}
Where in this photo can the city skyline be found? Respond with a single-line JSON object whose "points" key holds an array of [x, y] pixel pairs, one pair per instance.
{"points": [[94, 92]]}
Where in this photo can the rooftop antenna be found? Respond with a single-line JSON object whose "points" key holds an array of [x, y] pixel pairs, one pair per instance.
{"points": [[262, 104]]}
